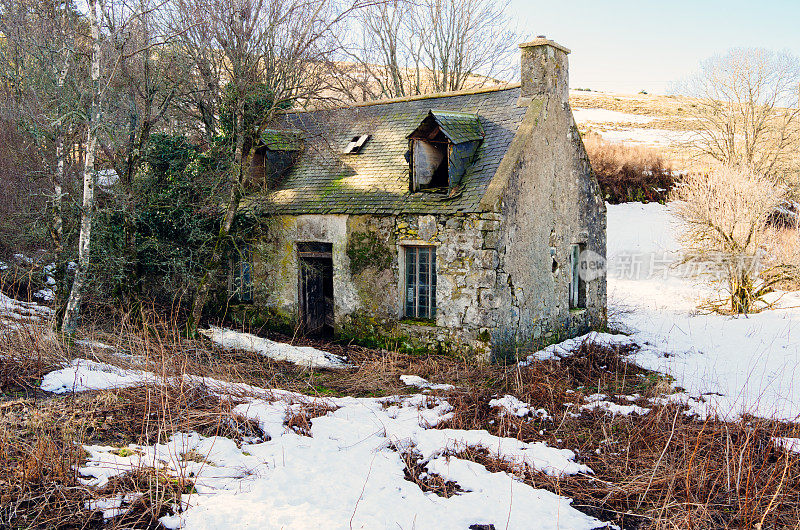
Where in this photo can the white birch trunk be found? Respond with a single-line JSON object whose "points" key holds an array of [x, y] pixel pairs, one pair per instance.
{"points": [[89, 176], [57, 226]]}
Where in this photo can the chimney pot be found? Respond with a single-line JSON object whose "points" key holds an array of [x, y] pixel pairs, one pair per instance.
{"points": [[545, 69]]}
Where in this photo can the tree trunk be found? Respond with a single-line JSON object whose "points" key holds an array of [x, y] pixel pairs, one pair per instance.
{"points": [[57, 211], [237, 181], [139, 132], [57, 219], [82, 271]]}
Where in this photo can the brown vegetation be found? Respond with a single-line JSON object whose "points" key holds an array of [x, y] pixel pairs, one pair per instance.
{"points": [[627, 173], [663, 469]]}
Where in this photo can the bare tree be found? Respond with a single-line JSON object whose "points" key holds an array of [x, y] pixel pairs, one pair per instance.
{"points": [[415, 47], [139, 96], [72, 311], [42, 60], [745, 105], [724, 218], [268, 56]]}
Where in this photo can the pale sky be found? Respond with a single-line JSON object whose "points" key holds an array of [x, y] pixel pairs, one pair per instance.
{"points": [[627, 46]]}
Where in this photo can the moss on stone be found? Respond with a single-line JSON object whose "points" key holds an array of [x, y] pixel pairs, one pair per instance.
{"points": [[254, 317], [368, 250]]}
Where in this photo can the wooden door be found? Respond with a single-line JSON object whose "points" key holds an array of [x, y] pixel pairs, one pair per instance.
{"points": [[316, 292]]}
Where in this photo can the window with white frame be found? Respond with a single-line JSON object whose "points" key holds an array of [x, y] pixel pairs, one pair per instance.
{"points": [[420, 285]]}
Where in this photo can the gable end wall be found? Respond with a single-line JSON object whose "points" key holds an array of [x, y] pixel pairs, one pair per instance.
{"points": [[551, 200]]}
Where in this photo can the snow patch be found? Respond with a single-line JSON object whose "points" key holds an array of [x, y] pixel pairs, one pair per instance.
{"points": [[789, 444], [301, 355], [592, 115], [419, 382], [82, 374], [567, 347], [600, 402]]}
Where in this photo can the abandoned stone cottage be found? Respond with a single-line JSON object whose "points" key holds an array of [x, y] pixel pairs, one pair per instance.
{"points": [[470, 219]]}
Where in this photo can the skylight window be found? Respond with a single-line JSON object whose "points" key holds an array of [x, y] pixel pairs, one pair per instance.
{"points": [[356, 144]]}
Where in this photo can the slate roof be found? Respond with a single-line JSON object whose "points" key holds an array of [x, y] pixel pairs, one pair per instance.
{"points": [[282, 140], [376, 181], [458, 127]]}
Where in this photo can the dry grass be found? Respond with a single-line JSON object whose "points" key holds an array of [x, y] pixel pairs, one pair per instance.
{"points": [[428, 482], [628, 173], [660, 470], [26, 354], [300, 417]]}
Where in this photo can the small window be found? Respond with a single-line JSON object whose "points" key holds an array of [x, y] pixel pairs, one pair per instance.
{"points": [[356, 144], [242, 278], [577, 285], [430, 166], [420, 295], [441, 150]]}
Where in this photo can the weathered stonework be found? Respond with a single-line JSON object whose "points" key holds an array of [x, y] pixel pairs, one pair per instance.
{"points": [[503, 244]]}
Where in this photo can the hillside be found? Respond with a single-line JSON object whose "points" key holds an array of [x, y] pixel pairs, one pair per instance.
{"points": [[663, 123]]}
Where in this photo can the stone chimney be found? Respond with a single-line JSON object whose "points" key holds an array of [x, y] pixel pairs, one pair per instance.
{"points": [[545, 70]]}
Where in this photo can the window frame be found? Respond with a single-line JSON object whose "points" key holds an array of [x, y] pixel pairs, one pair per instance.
{"points": [[412, 308], [241, 287], [577, 285]]}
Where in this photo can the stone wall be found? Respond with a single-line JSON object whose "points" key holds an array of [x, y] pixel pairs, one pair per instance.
{"points": [[370, 283], [551, 202]]}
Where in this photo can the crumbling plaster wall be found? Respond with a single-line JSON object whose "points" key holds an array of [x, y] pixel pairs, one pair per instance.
{"points": [[551, 201], [276, 263]]}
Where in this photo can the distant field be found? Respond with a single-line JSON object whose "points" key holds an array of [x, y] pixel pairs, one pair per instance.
{"points": [[663, 123]]}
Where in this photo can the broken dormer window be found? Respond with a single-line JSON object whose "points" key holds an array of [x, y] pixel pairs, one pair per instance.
{"points": [[442, 149], [356, 144], [274, 156]]}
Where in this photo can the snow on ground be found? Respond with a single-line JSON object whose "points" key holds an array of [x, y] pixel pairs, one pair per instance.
{"points": [[600, 402], [789, 444], [301, 355], [83, 374], [511, 406], [14, 312], [419, 382], [594, 115], [651, 137], [347, 474], [565, 348], [752, 361]]}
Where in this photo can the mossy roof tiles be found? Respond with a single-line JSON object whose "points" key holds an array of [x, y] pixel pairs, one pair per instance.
{"points": [[376, 180]]}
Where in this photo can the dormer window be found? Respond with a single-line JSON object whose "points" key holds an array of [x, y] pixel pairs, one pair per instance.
{"points": [[442, 149], [275, 154], [356, 144]]}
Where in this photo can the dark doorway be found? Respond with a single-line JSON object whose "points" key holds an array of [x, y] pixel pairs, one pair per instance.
{"points": [[316, 288]]}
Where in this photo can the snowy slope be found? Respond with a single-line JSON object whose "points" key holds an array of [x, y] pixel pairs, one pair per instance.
{"points": [[14, 313], [348, 474], [752, 361]]}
